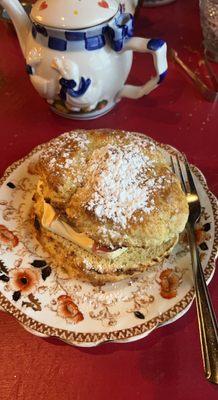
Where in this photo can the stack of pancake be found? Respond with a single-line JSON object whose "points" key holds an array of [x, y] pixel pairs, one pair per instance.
{"points": [[107, 205]]}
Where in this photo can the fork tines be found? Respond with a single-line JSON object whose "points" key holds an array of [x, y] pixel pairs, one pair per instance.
{"points": [[176, 166]]}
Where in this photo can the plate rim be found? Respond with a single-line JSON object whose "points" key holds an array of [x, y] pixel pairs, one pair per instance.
{"points": [[86, 339]]}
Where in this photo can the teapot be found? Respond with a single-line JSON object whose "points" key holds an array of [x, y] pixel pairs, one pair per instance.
{"points": [[79, 54]]}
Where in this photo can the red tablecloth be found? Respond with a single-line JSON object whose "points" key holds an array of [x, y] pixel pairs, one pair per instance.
{"points": [[167, 364]]}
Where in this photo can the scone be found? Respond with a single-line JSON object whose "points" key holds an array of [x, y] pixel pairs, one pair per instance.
{"points": [[107, 205]]}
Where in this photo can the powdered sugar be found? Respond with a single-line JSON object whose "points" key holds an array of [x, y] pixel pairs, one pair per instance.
{"points": [[62, 148], [120, 178], [79, 137], [141, 140], [88, 264], [121, 181], [60, 155]]}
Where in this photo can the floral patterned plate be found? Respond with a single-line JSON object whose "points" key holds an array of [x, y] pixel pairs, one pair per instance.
{"points": [[77, 312]]}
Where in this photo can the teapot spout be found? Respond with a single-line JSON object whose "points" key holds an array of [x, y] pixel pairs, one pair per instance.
{"points": [[20, 20]]}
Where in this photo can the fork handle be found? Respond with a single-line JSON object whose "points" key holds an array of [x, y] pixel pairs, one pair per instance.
{"points": [[206, 315]]}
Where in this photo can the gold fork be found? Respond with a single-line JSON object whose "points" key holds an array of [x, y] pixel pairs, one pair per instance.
{"points": [[206, 316]]}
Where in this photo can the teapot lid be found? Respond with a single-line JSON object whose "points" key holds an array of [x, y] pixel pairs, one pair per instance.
{"points": [[73, 14]]}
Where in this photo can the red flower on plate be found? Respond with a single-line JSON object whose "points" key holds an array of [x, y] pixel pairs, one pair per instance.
{"points": [[68, 309], [7, 237], [169, 283], [24, 280]]}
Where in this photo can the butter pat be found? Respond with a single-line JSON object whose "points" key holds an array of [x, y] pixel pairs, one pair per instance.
{"points": [[54, 224], [112, 254], [49, 215], [62, 229]]}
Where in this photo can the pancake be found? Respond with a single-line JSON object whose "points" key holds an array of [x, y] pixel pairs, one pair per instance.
{"points": [[113, 205]]}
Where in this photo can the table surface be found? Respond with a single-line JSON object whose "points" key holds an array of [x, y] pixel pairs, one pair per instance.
{"points": [[167, 364]]}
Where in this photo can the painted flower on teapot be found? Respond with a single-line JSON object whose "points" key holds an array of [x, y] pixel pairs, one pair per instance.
{"points": [[79, 54]]}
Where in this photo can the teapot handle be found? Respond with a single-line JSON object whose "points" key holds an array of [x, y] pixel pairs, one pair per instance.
{"points": [[158, 49]]}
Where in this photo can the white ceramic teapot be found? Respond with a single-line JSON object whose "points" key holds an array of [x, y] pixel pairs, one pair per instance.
{"points": [[79, 54]]}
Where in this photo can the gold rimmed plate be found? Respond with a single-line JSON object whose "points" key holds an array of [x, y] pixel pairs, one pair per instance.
{"points": [[78, 312]]}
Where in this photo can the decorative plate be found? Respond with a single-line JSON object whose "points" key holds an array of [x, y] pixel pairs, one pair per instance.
{"points": [[77, 312]]}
